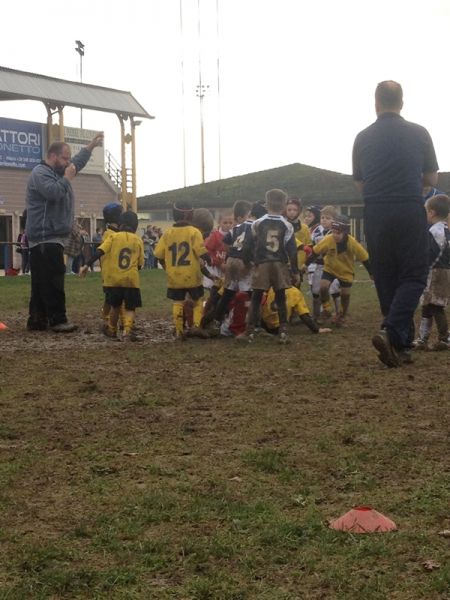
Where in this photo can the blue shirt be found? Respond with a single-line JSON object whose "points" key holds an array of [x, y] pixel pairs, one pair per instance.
{"points": [[390, 156]]}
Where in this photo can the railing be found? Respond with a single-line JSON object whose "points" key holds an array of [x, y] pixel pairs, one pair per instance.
{"points": [[113, 169]]}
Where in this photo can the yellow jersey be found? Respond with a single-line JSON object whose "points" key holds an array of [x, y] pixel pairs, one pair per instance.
{"points": [[124, 255], [181, 247], [340, 264], [303, 235], [295, 303], [106, 258]]}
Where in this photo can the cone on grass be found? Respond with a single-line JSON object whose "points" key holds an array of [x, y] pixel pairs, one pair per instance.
{"points": [[3, 326], [363, 519]]}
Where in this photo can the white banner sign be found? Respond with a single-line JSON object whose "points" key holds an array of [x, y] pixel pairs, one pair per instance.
{"points": [[78, 138]]}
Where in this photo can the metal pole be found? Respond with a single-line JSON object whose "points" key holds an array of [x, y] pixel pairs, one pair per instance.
{"points": [[218, 91], [182, 95], [80, 50]]}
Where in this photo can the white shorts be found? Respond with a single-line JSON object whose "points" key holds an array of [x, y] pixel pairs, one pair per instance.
{"points": [[335, 286]]}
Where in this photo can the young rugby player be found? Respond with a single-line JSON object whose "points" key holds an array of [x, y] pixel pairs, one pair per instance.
{"points": [[111, 217], [180, 250], [437, 293], [237, 275], [125, 251], [273, 249], [295, 305], [339, 251]]}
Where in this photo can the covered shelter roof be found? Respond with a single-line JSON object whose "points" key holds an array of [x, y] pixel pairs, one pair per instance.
{"points": [[21, 85]]}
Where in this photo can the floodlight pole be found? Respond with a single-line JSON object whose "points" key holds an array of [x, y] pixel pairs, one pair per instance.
{"points": [[80, 50], [201, 90]]}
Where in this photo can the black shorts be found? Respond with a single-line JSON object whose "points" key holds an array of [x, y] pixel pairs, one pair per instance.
{"points": [[179, 294], [131, 297], [329, 277]]}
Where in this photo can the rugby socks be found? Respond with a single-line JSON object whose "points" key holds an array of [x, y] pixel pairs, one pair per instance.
{"points": [[197, 312], [345, 299], [425, 328], [178, 317], [280, 300], [316, 306], [127, 318]]}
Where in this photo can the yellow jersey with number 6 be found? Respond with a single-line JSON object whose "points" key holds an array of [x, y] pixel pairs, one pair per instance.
{"points": [[181, 247], [125, 255]]}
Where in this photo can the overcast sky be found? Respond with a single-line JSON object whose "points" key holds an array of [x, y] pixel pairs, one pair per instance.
{"points": [[297, 77]]}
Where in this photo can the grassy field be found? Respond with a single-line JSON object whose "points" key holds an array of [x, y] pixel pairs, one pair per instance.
{"points": [[209, 470]]}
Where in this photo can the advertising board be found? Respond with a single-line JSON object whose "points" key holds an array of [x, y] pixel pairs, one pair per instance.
{"points": [[22, 143]]}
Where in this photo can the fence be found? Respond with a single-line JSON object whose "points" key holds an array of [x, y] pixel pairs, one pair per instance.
{"points": [[7, 254]]}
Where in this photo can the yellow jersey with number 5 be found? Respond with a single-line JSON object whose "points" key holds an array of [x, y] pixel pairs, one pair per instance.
{"points": [[125, 255], [181, 247]]}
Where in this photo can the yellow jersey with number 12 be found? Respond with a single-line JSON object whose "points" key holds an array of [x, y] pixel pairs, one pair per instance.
{"points": [[181, 247], [125, 255]]}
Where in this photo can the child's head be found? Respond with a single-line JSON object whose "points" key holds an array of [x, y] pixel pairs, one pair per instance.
{"points": [[129, 221], [340, 228], [293, 208], [182, 211], [226, 222], [327, 215], [438, 208], [276, 201], [312, 216], [111, 213], [257, 210], [203, 220], [241, 210]]}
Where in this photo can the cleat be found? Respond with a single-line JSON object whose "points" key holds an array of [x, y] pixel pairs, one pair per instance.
{"points": [[197, 332], [247, 337], [420, 344], [386, 352], [283, 338], [440, 345], [261, 332]]}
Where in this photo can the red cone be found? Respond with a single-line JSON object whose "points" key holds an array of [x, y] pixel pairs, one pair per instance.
{"points": [[3, 326], [363, 519]]}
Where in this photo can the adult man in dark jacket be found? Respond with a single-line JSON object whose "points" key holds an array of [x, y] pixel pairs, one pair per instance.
{"points": [[393, 160], [50, 217]]}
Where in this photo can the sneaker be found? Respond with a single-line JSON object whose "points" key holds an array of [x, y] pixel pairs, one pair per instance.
{"points": [[441, 345], [420, 344], [405, 357], [64, 328], [386, 353]]}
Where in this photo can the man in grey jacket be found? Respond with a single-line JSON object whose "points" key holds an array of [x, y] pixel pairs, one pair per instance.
{"points": [[50, 217]]}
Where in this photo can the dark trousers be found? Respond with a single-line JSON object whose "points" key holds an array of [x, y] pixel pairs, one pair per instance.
{"points": [[48, 300], [397, 241]]}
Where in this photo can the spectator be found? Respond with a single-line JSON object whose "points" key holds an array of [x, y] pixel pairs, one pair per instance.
{"points": [[393, 160]]}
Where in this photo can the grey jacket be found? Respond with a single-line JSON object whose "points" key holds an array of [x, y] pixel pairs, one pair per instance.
{"points": [[50, 202]]}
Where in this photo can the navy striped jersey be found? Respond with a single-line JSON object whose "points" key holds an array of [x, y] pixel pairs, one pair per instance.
{"points": [[439, 246], [273, 240], [235, 238]]}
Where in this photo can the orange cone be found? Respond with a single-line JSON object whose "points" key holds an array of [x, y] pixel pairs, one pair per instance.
{"points": [[3, 326], [363, 519]]}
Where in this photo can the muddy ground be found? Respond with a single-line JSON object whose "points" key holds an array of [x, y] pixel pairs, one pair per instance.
{"points": [[210, 469]]}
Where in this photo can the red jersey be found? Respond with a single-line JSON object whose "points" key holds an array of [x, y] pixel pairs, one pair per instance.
{"points": [[216, 248]]}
